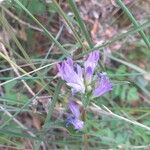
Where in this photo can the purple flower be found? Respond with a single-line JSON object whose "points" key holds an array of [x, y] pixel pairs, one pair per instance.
{"points": [[78, 124], [74, 108], [72, 74], [90, 65], [104, 85], [74, 117]]}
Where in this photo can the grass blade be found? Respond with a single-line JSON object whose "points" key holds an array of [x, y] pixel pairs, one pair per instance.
{"points": [[116, 38], [75, 34], [80, 22], [133, 20], [44, 29], [52, 106]]}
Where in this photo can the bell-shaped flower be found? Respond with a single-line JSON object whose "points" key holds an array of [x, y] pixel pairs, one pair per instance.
{"points": [[74, 117], [90, 65], [104, 85], [72, 74]]}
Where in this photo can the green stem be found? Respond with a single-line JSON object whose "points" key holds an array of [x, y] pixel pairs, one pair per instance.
{"points": [[85, 136]]}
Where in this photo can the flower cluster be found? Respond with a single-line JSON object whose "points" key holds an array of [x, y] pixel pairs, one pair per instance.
{"points": [[79, 79]]}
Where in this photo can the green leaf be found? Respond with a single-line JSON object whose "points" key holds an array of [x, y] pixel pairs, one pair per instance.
{"points": [[120, 138], [52, 8], [132, 94], [121, 70], [12, 94], [117, 90], [123, 92], [36, 7]]}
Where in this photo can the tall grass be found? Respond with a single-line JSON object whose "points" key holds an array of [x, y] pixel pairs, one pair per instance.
{"points": [[118, 127]]}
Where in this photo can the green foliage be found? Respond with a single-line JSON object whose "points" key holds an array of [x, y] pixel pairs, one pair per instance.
{"points": [[51, 8], [120, 71], [103, 132], [13, 95], [124, 92], [34, 6], [132, 94]]}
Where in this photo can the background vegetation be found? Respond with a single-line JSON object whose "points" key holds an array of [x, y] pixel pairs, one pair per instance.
{"points": [[37, 34]]}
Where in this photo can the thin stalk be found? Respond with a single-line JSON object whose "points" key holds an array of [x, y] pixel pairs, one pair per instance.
{"points": [[75, 34], [65, 52], [53, 103], [80, 22], [133, 20], [116, 38]]}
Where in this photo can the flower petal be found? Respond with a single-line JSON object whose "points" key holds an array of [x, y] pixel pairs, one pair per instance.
{"points": [[78, 124], [74, 108], [72, 76], [77, 87], [104, 85], [69, 61], [79, 72], [90, 64]]}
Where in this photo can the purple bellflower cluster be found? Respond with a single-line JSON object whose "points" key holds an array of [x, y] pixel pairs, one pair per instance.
{"points": [[79, 79]]}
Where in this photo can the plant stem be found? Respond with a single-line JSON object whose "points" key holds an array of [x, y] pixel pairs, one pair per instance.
{"points": [[85, 136]]}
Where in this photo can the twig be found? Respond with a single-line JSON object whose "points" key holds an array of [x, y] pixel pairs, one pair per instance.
{"points": [[96, 109], [28, 73], [127, 120], [109, 113], [16, 71]]}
